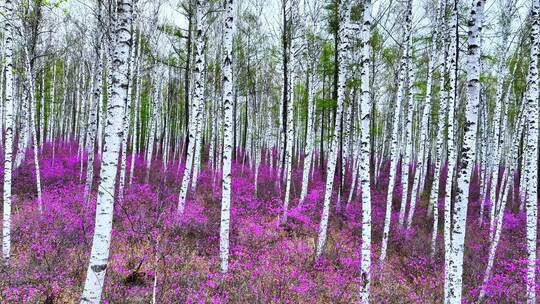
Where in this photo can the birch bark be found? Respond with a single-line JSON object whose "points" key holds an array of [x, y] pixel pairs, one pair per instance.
{"points": [[468, 155], [8, 145], [394, 137], [408, 132], [198, 94], [94, 108], [95, 275], [126, 121], [343, 54], [32, 105], [424, 128], [506, 182], [292, 81], [309, 136], [531, 165], [365, 118]]}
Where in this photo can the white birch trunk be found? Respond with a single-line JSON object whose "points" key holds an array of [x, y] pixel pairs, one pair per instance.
{"points": [[228, 96], [418, 164], [343, 54], [22, 143], [495, 143], [365, 155], [407, 140], [531, 164], [199, 135], [86, 123], [156, 102], [93, 124], [293, 80], [8, 146], [451, 62], [309, 136], [506, 182], [424, 128], [355, 167], [195, 113], [394, 139], [31, 99], [95, 275], [468, 154], [289, 144], [42, 111], [52, 105], [126, 123], [443, 109], [136, 114]]}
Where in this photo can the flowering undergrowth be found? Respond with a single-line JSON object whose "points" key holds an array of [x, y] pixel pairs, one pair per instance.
{"points": [[270, 262]]}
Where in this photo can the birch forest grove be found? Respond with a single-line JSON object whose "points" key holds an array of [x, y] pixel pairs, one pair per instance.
{"points": [[269, 151]]}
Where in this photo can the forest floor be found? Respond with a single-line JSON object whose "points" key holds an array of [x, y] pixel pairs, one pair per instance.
{"points": [[270, 263]]}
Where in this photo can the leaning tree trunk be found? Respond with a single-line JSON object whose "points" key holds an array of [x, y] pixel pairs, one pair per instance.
{"points": [[506, 181], [343, 54], [421, 163], [197, 98], [407, 140], [501, 104], [394, 139], [95, 275], [496, 145]]}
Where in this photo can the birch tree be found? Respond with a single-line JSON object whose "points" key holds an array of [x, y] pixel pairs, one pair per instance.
{"points": [[94, 107], [292, 81], [99, 255], [506, 182], [227, 79], [197, 99], [365, 118], [126, 120], [309, 135], [23, 137], [395, 129], [407, 144], [468, 153], [136, 114], [531, 164], [443, 104], [8, 144], [32, 101], [311, 87], [450, 88], [344, 45], [421, 163]]}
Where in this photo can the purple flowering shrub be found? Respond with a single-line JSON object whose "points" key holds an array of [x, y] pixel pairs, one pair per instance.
{"points": [[270, 262]]}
